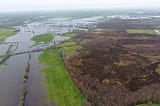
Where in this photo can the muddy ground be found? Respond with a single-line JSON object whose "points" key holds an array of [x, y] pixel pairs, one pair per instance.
{"points": [[117, 69]]}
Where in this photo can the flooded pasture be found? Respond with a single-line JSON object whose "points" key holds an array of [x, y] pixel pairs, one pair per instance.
{"points": [[12, 71]]}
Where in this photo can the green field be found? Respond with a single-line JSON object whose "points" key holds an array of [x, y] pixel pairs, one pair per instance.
{"points": [[71, 50], [43, 38], [149, 105], [67, 43], [69, 47], [131, 31], [4, 33], [60, 88]]}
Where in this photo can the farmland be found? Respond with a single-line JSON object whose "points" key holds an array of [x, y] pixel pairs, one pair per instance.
{"points": [[130, 31]]}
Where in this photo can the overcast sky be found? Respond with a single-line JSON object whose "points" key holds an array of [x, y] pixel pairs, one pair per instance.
{"points": [[27, 5]]}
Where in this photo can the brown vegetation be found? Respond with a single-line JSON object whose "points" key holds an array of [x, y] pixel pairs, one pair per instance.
{"points": [[117, 69]]}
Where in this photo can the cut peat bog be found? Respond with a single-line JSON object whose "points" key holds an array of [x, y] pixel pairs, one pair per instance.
{"points": [[115, 68]]}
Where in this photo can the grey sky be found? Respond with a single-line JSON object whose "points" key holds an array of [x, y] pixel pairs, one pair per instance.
{"points": [[27, 5]]}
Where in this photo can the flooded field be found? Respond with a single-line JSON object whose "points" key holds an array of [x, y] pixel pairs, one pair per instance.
{"points": [[12, 70]]}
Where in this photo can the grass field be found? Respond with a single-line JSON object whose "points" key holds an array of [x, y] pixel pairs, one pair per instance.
{"points": [[131, 31], [4, 33], [67, 43], [60, 88], [69, 47], [46, 38], [71, 50], [149, 105]]}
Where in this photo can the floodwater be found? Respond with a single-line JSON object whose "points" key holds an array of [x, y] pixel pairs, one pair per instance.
{"points": [[11, 74], [36, 95], [11, 77], [157, 31]]}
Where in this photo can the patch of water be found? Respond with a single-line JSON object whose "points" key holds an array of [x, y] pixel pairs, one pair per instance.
{"points": [[11, 76], [157, 31]]}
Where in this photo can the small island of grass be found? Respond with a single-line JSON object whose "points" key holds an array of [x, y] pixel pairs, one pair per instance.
{"points": [[4, 33], [46, 38], [43, 38]]}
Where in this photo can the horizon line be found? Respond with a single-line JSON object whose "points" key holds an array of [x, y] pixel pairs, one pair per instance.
{"points": [[82, 9]]}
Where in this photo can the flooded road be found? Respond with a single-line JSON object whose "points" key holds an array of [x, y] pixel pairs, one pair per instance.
{"points": [[12, 71]]}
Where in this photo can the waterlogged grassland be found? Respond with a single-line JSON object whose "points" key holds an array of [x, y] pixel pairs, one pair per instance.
{"points": [[4, 33], [131, 31], [9, 49], [60, 88], [69, 47], [67, 43], [43, 38], [69, 34]]}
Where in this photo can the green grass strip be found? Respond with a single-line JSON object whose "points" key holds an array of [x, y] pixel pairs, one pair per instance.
{"points": [[60, 88], [149, 105], [131, 31]]}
